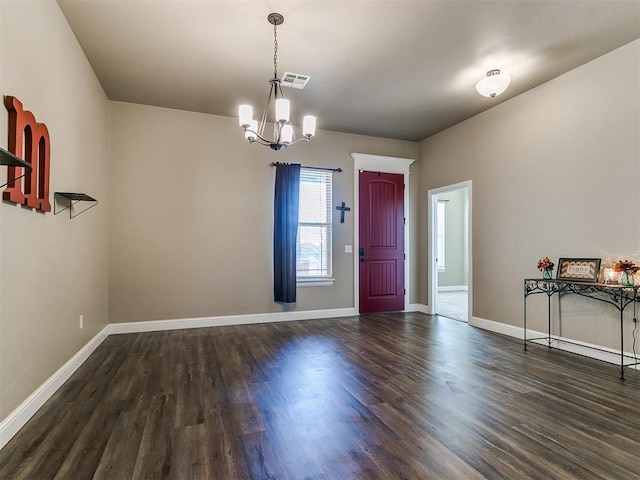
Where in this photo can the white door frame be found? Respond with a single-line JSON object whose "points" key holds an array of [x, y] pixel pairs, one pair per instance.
{"points": [[432, 233], [379, 163]]}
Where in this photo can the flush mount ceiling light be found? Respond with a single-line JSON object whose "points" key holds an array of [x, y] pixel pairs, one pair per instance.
{"points": [[493, 84], [283, 134]]}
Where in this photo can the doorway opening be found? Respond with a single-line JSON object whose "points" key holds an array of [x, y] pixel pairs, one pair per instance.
{"points": [[449, 224]]}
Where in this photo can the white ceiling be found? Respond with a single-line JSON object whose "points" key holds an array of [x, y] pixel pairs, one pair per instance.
{"points": [[397, 68]]}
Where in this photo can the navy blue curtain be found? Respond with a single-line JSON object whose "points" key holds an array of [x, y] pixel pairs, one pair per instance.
{"points": [[285, 232]]}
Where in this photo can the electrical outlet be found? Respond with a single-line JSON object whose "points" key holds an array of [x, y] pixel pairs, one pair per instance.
{"points": [[81, 321]]}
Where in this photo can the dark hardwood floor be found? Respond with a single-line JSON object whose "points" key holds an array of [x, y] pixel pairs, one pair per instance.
{"points": [[394, 396]]}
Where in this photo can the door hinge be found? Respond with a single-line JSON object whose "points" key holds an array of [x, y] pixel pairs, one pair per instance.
{"points": [[404, 221], [404, 255], [405, 291]]}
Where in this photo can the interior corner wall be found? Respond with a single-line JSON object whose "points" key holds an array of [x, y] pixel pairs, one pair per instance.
{"points": [[555, 173], [192, 215], [53, 269], [414, 228]]}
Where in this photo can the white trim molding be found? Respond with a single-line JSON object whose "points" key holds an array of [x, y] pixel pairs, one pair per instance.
{"points": [[609, 355], [381, 163], [202, 322], [496, 327], [21, 415], [418, 307]]}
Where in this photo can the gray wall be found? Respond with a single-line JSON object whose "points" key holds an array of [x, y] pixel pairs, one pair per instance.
{"points": [[192, 201], [53, 269], [555, 173]]}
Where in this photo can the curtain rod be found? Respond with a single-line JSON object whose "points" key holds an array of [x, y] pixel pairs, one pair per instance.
{"points": [[338, 170]]}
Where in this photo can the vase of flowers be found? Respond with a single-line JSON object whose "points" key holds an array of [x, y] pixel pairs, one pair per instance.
{"points": [[627, 270], [545, 265]]}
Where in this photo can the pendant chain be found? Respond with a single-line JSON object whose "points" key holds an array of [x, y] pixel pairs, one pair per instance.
{"points": [[275, 52]]}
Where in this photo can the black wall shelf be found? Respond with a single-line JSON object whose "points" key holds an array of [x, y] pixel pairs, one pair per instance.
{"points": [[72, 199], [10, 160]]}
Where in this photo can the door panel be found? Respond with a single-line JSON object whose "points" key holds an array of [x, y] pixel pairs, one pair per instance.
{"points": [[381, 242]]}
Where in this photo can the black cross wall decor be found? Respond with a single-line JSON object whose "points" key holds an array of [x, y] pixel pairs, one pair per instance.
{"points": [[342, 208]]}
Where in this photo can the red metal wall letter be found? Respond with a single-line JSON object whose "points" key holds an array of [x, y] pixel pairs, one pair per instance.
{"points": [[28, 140]]}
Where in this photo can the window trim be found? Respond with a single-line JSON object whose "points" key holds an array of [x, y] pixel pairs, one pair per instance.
{"points": [[315, 281]]}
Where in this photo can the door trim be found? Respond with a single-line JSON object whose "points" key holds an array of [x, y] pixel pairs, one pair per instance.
{"points": [[380, 163], [432, 267]]}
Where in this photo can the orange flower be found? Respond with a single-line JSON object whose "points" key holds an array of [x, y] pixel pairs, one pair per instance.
{"points": [[545, 263], [626, 266]]}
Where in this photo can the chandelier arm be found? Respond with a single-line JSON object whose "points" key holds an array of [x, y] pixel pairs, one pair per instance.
{"points": [[304, 137], [265, 112], [278, 89], [277, 126], [260, 139]]}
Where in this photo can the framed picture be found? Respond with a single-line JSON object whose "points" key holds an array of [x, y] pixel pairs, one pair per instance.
{"points": [[578, 269]]}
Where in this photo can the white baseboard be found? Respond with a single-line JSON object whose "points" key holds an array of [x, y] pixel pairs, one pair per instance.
{"points": [[497, 327], [418, 307], [182, 323], [606, 354], [21, 415], [454, 288]]}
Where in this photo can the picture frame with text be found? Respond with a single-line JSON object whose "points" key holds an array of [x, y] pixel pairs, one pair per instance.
{"points": [[578, 269]]}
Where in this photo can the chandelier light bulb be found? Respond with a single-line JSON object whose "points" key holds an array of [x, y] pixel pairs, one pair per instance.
{"points": [[493, 84], [309, 126], [282, 110], [287, 133], [250, 133], [245, 115]]}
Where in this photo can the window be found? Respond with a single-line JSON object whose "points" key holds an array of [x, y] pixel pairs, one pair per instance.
{"points": [[441, 227], [313, 260]]}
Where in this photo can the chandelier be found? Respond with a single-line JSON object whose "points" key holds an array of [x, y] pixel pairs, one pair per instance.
{"points": [[283, 134]]}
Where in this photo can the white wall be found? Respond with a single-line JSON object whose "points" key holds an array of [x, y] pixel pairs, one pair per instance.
{"points": [[53, 269], [192, 215], [555, 173]]}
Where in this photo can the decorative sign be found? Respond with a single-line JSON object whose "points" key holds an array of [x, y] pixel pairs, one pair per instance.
{"points": [[579, 269], [28, 140]]}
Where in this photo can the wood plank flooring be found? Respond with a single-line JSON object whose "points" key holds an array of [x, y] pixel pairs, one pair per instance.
{"points": [[388, 396]]}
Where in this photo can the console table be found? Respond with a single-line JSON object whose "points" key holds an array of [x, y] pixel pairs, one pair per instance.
{"points": [[617, 295]]}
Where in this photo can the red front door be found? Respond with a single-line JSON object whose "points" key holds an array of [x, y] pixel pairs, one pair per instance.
{"points": [[381, 242]]}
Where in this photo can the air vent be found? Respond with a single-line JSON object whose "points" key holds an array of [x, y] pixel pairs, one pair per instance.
{"points": [[295, 80]]}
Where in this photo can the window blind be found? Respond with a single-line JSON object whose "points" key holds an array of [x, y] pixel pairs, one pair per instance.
{"points": [[314, 224]]}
